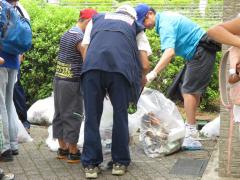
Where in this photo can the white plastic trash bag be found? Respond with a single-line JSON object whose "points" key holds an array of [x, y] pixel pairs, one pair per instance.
{"points": [[162, 126], [211, 129], [50, 141], [22, 136], [42, 111], [236, 113]]}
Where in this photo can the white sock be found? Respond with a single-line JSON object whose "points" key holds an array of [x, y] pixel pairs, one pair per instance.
{"points": [[191, 126]]}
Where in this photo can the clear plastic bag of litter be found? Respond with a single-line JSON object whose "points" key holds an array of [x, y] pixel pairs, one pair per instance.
{"points": [[162, 127]]}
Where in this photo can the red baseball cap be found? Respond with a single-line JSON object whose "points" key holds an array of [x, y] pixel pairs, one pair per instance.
{"points": [[87, 13]]}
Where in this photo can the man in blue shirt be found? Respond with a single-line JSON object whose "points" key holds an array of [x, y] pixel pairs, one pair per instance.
{"points": [[179, 36]]}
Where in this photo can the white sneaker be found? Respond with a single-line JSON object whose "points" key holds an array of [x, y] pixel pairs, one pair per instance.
{"points": [[190, 143], [191, 131]]}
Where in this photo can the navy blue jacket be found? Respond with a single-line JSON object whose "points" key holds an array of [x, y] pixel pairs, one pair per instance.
{"points": [[113, 48]]}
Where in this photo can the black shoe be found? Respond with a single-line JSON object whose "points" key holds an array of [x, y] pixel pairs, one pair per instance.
{"points": [[110, 165], [62, 153], [15, 152], [74, 158], [6, 156]]}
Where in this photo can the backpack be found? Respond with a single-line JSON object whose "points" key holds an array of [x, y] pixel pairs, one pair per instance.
{"points": [[15, 30]]}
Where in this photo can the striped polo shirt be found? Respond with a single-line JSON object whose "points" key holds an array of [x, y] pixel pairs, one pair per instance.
{"points": [[70, 61]]}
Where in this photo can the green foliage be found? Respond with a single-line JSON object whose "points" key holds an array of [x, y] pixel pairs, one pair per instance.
{"points": [[85, 1], [48, 24]]}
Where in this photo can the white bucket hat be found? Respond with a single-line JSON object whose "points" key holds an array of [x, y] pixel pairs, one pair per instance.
{"points": [[127, 9]]}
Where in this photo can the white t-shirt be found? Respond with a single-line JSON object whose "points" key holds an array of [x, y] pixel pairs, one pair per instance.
{"points": [[142, 41]]}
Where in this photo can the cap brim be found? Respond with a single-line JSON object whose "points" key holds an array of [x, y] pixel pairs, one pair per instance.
{"points": [[140, 21]]}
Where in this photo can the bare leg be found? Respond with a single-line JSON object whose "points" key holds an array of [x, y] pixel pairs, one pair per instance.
{"points": [[73, 148], [191, 102], [62, 144]]}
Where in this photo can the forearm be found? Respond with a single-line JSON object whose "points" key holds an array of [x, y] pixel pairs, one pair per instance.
{"points": [[164, 60], [221, 35], [162, 63], [145, 62]]}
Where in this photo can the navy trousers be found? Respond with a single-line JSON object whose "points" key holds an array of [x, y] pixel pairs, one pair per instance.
{"points": [[19, 100], [95, 86]]}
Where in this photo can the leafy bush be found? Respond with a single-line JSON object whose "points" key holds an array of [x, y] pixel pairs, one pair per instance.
{"points": [[48, 24]]}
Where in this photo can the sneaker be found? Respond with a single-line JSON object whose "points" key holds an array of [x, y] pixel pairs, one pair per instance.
{"points": [[6, 156], [191, 131], [8, 176], [15, 152], [91, 172], [62, 153], [74, 158], [119, 169], [190, 143]]}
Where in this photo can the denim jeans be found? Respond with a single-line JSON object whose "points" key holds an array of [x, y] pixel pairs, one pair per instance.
{"points": [[7, 108]]}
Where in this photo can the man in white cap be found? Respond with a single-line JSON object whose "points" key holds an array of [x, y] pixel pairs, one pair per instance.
{"points": [[116, 61]]}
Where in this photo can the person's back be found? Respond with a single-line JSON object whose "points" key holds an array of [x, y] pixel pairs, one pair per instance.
{"points": [[179, 32], [69, 59], [106, 55], [121, 31]]}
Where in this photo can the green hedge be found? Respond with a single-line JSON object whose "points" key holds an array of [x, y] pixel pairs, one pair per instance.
{"points": [[49, 22]]}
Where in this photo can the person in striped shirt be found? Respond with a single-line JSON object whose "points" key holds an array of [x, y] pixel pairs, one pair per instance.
{"points": [[68, 99]]}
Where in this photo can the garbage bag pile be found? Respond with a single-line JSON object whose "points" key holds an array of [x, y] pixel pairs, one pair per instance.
{"points": [[161, 126], [42, 111]]}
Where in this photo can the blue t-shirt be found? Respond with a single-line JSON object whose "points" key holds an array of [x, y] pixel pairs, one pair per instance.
{"points": [[11, 61], [178, 32]]}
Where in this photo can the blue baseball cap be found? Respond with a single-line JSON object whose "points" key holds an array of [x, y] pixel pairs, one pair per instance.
{"points": [[142, 10]]}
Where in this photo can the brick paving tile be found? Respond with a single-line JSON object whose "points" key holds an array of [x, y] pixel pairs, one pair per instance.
{"points": [[37, 162]]}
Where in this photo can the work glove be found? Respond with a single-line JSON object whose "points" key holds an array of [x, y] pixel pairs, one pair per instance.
{"points": [[151, 76]]}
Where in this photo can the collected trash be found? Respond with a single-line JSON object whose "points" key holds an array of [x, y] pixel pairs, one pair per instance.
{"points": [[211, 129], [42, 111], [162, 128], [22, 134], [50, 141]]}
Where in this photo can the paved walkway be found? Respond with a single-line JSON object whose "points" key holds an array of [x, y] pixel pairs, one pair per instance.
{"points": [[36, 162]]}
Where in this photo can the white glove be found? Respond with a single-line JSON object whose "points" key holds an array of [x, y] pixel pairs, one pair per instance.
{"points": [[151, 76]]}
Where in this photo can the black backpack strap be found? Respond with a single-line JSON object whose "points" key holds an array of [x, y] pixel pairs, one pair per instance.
{"points": [[20, 11]]}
